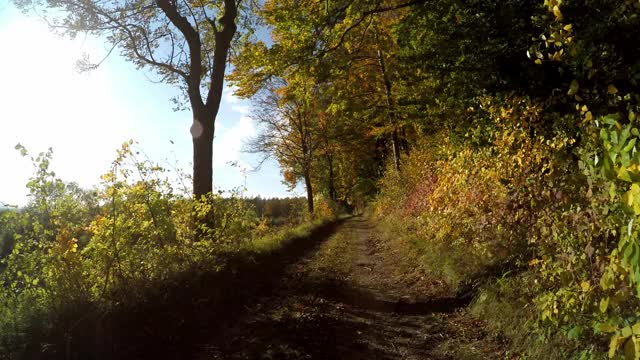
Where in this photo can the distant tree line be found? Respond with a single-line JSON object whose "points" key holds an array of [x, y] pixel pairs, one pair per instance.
{"points": [[278, 211]]}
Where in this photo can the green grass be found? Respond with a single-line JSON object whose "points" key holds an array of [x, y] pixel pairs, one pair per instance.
{"points": [[504, 304], [279, 239], [446, 264]]}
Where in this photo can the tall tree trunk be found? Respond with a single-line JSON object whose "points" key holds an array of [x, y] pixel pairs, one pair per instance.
{"points": [[202, 132], [204, 114], [395, 143], [332, 188], [308, 185], [391, 110]]}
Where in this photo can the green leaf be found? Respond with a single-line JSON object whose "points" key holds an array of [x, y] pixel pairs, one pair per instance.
{"points": [[606, 328], [607, 168], [606, 281], [625, 160], [630, 349], [613, 345], [21, 149], [610, 119], [623, 174], [574, 333], [631, 200], [614, 138], [624, 135], [629, 145], [604, 304], [573, 88]]}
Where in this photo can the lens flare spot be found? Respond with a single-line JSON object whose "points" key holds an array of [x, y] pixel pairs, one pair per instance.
{"points": [[196, 129]]}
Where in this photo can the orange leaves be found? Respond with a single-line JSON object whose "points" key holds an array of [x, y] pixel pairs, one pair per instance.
{"points": [[65, 243], [290, 176]]}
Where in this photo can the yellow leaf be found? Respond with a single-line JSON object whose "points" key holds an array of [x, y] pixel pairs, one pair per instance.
{"points": [[613, 345], [607, 328], [585, 286], [568, 27], [557, 12], [538, 61], [534, 262], [612, 89], [573, 88], [626, 332]]}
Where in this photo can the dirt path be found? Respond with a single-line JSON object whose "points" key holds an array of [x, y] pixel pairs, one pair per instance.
{"points": [[354, 298]]}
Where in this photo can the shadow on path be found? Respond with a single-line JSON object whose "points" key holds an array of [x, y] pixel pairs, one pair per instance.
{"points": [[352, 318], [181, 314], [370, 300]]}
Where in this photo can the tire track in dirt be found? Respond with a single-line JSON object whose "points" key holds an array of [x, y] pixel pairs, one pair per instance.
{"points": [[352, 299]]}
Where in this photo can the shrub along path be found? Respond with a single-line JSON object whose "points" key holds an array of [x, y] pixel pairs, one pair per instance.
{"points": [[357, 297]]}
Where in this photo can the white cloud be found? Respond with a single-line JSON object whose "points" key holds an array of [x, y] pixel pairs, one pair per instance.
{"points": [[229, 142], [242, 109], [227, 95]]}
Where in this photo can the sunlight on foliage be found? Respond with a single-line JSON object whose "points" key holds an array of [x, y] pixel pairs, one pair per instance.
{"points": [[72, 252]]}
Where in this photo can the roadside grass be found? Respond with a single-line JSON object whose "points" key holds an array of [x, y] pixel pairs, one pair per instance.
{"points": [[500, 309], [502, 306], [173, 317], [279, 239], [448, 268], [453, 348]]}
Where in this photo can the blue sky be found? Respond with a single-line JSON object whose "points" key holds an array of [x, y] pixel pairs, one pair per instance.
{"points": [[45, 102]]}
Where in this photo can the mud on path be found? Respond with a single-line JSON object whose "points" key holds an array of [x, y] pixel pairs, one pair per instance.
{"points": [[355, 298]]}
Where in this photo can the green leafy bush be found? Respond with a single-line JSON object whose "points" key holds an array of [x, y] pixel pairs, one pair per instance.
{"points": [[75, 257]]}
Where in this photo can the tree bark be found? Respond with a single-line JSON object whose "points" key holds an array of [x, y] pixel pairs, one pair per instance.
{"points": [[205, 118], [391, 110], [202, 132], [309, 186], [333, 195], [395, 143]]}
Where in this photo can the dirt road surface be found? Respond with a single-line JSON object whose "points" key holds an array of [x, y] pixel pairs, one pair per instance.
{"points": [[355, 297]]}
